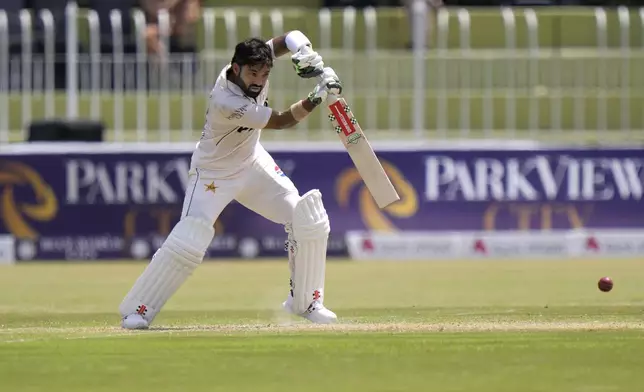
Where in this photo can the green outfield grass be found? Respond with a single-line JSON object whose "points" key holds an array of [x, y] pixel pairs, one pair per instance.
{"points": [[434, 326]]}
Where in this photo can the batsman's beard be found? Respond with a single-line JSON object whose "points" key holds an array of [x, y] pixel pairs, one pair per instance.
{"points": [[252, 91]]}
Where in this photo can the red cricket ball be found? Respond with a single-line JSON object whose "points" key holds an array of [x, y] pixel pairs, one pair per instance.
{"points": [[605, 284]]}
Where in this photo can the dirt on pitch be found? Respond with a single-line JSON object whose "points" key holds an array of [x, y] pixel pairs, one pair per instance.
{"points": [[16, 335], [405, 327]]}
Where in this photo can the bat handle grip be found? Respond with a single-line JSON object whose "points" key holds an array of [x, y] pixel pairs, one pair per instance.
{"points": [[331, 97]]}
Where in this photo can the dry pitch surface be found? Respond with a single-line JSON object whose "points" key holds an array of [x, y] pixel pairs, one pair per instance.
{"points": [[435, 326]]}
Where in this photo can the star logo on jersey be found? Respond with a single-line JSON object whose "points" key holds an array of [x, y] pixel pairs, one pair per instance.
{"points": [[211, 187]]}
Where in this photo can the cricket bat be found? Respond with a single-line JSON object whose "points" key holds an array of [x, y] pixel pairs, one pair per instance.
{"points": [[348, 129]]}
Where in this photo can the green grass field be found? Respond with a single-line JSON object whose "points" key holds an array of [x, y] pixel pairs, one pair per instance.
{"points": [[434, 326]]}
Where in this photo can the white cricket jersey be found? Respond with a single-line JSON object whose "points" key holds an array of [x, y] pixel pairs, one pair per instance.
{"points": [[230, 138]]}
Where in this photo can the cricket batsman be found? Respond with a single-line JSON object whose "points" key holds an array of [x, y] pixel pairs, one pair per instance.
{"points": [[229, 163]]}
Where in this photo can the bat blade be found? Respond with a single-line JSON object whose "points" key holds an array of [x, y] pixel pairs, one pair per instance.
{"points": [[364, 158]]}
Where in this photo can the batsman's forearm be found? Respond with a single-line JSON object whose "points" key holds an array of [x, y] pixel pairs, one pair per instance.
{"points": [[279, 46], [308, 105], [291, 124], [294, 38], [291, 117], [305, 108]]}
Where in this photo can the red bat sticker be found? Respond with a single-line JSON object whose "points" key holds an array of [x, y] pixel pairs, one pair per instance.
{"points": [[342, 117]]}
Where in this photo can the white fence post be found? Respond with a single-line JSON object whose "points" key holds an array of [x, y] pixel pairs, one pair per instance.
{"points": [[71, 16], [371, 36], [277, 25], [187, 84], [348, 27], [324, 18], [419, 42], [4, 78], [324, 22], [49, 61], [141, 76], [277, 22], [557, 92], [230, 19], [532, 22], [349, 38], [164, 76], [209, 45], [488, 101], [602, 46], [117, 67], [255, 23], [625, 72], [509, 23], [26, 67], [95, 64], [579, 105], [466, 62], [642, 21], [187, 87], [441, 109]]}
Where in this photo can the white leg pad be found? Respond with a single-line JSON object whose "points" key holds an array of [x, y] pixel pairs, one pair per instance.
{"points": [[310, 233], [170, 267]]}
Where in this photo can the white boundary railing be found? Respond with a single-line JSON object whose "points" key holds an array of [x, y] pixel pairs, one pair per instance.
{"points": [[71, 58], [516, 91], [4, 78]]}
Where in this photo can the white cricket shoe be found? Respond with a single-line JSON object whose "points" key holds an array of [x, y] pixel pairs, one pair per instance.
{"points": [[134, 321], [317, 312]]}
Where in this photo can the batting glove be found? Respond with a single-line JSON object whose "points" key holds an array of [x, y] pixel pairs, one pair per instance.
{"points": [[307, 62], [329, 84]]}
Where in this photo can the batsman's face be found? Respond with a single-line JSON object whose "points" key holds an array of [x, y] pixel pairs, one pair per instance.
{"points": [[253, 78]]}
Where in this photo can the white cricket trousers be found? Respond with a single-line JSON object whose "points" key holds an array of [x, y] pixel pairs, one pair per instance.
{"points": [[262, 188]]}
